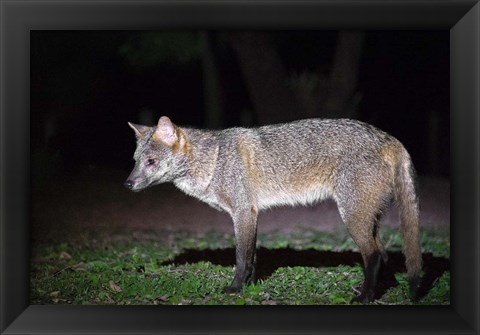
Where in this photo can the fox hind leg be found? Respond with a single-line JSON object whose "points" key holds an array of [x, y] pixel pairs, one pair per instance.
{"points": [[372, 258], [361, 219]]}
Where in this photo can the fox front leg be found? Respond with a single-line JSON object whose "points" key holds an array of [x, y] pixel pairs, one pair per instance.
{"points": [[245, 225]]}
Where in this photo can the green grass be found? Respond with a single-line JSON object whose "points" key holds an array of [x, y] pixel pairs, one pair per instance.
{"points": [[125, 271]]}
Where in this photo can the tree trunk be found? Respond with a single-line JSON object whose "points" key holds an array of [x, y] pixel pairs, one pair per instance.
{"points": [[211, 83], [266, 78], [274, 101], [342, 99]]}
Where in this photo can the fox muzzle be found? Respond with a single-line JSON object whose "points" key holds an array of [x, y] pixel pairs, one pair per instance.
{"points": [[128, 184]]}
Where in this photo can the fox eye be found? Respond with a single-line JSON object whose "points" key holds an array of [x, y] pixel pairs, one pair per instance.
{"points": [[150, 161]]}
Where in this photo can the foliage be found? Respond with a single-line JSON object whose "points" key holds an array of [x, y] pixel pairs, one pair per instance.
{"points": [[124, 272]]}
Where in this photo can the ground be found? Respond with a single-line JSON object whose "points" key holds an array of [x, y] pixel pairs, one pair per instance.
{"points": [[84, 212]]}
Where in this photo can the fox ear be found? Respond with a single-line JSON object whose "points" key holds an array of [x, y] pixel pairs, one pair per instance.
{"points": [[166, 131], [138, 129]]}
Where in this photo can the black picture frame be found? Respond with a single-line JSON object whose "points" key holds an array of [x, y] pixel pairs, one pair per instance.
{"points": [[18, 18]]}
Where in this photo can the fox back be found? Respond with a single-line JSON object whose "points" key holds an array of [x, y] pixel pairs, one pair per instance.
{"points": [[244, 170]]}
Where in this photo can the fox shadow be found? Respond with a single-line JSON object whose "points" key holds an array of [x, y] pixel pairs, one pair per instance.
{"points": [[269, 260]]}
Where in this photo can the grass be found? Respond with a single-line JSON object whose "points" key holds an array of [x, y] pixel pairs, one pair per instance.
{"points": [[129, 271]]}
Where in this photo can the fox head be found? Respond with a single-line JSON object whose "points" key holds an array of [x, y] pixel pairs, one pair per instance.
{"points": [[159, 156]]}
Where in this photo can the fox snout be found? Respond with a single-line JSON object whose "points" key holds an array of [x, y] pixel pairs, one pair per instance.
{"points": [[128, 184], [133, 185], [134, 182]]}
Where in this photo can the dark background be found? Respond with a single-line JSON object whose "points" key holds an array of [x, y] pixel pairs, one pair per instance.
{"points": [[86, 85]]}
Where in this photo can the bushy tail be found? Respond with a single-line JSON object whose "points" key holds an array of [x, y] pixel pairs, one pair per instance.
{"points": [[407, 203]]}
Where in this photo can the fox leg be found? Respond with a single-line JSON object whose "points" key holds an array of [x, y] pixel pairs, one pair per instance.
{"points": [[371, 255], [245, 224], [360, 200], [361, 219]]}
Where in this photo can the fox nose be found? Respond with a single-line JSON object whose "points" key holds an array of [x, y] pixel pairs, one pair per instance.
{"points": [[128, 184]]}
